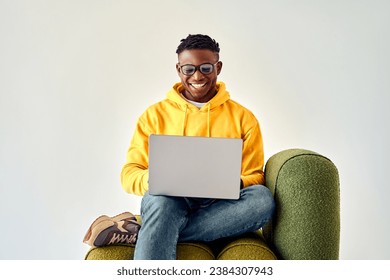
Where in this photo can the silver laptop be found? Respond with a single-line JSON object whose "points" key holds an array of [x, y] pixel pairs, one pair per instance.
{"points": [[195, 166]]}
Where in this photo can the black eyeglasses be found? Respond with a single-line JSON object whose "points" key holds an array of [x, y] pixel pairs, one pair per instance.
{"points": [[205, 68]]}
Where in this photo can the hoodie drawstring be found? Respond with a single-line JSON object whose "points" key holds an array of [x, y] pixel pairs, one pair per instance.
{"points": [[208, 120], [184, 121]]}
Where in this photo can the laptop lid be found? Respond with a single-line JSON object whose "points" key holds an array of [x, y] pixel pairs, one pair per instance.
{"points": [[192, 166]]}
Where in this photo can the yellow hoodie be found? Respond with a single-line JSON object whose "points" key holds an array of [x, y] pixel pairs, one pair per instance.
{"points": [[220, 117]]}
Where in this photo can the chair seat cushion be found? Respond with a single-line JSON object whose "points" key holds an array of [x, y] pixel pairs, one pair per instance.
{"points": [[250, 246], [185, 251]]}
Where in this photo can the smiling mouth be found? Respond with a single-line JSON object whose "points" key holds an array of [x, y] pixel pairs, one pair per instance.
{"points": [[197, 86]]}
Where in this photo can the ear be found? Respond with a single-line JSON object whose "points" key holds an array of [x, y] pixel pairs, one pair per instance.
{"points": [[178, 68], [219, 67]]}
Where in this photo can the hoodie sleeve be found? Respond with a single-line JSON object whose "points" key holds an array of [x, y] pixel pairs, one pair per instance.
{"points": [[253, 157], [134, 176]]}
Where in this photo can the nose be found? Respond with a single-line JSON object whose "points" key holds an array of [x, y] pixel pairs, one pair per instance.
{"points": [[198, 75]]}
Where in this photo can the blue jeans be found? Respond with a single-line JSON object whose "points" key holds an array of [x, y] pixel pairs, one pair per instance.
{"points": [[167, 220]]}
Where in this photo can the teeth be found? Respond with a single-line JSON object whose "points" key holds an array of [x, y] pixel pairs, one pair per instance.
{"points": [[197, 85]]}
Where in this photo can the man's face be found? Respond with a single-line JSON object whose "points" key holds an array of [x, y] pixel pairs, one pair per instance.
{"points": [[199, 87]]}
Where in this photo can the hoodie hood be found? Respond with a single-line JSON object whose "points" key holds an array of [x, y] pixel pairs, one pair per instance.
{"points": [[220, 98]]}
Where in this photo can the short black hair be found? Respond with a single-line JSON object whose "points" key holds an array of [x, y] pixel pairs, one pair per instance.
{"points": [[198, 41]]}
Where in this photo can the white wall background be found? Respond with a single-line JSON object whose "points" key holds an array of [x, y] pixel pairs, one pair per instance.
{"points": [[75, 75]]}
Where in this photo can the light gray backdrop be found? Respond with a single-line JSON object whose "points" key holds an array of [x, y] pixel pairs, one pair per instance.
{"points": [[75, 76]]}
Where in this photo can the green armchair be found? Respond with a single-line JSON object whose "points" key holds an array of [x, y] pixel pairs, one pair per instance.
{"points": [[306, 224]]}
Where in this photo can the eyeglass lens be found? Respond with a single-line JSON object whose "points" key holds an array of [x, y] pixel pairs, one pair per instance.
{"points": [[190, 69]]}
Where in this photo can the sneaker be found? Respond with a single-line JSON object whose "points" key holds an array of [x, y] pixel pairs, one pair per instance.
{"points": [[123, 216], [109, 232]]}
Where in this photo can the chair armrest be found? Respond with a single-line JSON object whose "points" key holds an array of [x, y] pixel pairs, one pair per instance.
{"points": [[306, 188]]}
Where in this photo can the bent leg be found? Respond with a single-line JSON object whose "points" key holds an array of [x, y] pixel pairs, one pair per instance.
{"points": [[225, 218], [163, 218]]}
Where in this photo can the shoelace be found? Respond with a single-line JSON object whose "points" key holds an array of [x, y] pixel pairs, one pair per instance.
{"points": [[123, 238]]}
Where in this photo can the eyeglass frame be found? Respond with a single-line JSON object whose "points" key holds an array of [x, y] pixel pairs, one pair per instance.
{"points": [[197, 68]]}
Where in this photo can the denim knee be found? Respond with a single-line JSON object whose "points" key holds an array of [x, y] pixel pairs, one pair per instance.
{"points": [[260, 199], [161, 206]]}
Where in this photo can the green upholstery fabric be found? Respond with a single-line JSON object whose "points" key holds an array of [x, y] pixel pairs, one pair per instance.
{"points": [[251, 246], [306, 224], [185, 251]]}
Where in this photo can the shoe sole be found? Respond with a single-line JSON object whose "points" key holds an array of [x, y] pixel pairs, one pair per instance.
{"points": [[107, 233]]}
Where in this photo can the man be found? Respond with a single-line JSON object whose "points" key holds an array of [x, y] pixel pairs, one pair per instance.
{"points": [[197, 106]]}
